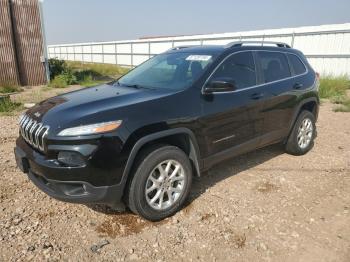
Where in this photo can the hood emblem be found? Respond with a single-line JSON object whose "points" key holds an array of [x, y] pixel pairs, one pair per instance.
{"points": [[37, 114]]}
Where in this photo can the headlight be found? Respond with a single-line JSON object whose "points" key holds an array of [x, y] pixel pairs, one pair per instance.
{"points": [[91, 129]]}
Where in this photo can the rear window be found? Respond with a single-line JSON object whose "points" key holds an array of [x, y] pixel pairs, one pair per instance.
{"points": [[298, 67], [274, 66]]}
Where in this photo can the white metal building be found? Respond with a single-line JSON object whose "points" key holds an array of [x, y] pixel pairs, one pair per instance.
{"points": [[327, 46]]}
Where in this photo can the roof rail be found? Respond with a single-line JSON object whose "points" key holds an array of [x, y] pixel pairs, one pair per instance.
{"points": [[182, 47], [261, 43]]}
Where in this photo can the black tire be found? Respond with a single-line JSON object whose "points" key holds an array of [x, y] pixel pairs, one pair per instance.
{"points": [[147, 162], [292, 146]]}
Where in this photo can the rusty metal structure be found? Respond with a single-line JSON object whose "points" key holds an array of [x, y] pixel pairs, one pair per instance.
{"points": [[21, 43]]}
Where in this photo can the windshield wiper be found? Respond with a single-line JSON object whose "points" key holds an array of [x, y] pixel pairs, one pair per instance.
{"points": [[117, 83], [135, 86]]}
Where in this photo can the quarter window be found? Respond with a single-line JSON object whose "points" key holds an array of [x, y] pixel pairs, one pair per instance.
{"points": [[296, 64], [274, 66], [239, 68]]}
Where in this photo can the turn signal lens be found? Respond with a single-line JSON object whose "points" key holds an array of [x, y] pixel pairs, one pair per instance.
{"points": [[107, 128]]}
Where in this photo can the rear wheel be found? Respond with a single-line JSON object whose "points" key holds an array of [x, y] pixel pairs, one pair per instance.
{"points": [[161, 183], [301, 139]]}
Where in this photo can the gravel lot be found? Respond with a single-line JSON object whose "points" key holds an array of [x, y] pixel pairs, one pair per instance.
{"points": [[265, 205]]}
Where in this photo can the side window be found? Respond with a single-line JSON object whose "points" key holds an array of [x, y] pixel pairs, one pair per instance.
{"points": [[296, 64], [274, 66], [240, 68]]}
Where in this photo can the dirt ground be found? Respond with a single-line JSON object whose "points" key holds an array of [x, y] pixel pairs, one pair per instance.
{"points": [[262, 206]]}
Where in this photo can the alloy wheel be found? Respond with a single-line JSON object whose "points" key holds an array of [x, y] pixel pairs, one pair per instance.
{"points": [[165, 184]]}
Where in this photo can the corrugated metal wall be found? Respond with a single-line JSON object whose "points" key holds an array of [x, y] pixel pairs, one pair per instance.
{"points": [[29, 42], [23, 36], [327, 47], [8, 65]]}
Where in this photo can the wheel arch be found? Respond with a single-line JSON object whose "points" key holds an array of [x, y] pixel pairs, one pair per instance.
{"points": [[310, 104], [173, 137]]}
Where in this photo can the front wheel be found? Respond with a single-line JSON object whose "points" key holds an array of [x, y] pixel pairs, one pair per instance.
{"points": [[301, 139], [161, 183]]}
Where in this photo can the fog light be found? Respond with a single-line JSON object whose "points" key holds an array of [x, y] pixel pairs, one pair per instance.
{"points": [[70, 158]]}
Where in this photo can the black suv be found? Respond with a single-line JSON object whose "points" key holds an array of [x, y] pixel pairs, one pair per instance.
{"points": [[139, 141]]}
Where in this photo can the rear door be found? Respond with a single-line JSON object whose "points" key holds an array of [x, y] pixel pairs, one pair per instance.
{"points": [[233, 119], [280, 94]]}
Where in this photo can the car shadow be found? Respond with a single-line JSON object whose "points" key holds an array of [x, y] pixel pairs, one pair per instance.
{"points": [[216, 174], [233, 167]]}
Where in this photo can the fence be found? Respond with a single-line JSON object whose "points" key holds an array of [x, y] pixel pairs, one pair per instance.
{"points": [[327, 47]]}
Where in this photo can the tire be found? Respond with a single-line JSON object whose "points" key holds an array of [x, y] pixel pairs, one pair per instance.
{"points": [[151, 168], [295, 145]]}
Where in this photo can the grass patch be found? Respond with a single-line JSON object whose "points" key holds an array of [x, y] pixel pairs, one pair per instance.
{"points": [[6, 89], [59, 82], [96, 69], [334, 87], [65, 73], [8, 106], [343, 105], [88, 81]]}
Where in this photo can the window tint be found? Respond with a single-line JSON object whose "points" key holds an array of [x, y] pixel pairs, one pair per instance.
{"points": [[274, 66], [297, 66], [240, 68]]}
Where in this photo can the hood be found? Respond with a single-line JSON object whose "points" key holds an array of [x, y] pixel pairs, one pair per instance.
{"points": [[91, 105]]}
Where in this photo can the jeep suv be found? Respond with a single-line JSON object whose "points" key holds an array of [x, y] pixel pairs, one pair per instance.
{"points": [[140, 140]]}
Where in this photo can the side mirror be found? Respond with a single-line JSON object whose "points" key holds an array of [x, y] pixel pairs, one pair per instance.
{"points": [[220, 85]]}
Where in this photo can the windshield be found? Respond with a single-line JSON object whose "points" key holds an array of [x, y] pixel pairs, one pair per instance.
{"points": [[171, 71]]}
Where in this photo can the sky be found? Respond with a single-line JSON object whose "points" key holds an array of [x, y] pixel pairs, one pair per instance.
{"points": [[76, 21]]}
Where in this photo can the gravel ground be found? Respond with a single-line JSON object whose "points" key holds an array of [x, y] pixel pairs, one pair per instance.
{"points": [[265, 205]]}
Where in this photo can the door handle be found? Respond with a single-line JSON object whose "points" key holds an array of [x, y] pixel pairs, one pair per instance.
{"points": [[257, 96], [298, 86]]}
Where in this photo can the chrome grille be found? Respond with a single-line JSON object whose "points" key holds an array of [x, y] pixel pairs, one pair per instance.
{"points": [[33, 132]]}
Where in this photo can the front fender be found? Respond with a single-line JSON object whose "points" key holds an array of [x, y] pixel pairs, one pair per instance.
{"points": [[194, 149]]}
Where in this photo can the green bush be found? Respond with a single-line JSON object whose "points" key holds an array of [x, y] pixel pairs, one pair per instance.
{"points": [[64, 78], [7, 106], [86, 80], [57, 67], [83, 75], [59, 81], [70, 76]]}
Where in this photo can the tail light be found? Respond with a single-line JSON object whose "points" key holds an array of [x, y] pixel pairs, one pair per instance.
{"points": [[318, 76]]}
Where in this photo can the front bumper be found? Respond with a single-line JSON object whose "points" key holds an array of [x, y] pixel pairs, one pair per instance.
{"points": [[43, 173], [79, 192]]}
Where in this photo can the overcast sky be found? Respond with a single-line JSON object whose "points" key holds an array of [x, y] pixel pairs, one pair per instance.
{"points": [[71, 21]]}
